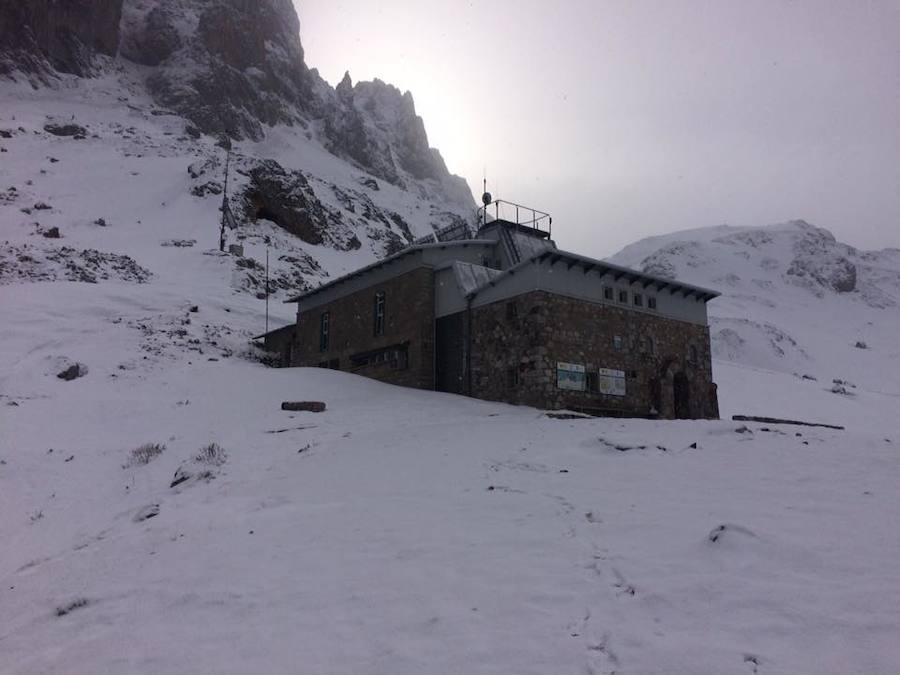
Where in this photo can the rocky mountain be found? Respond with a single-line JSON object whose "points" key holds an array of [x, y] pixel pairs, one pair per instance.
{"points": [[346, 168], [794, 299]]}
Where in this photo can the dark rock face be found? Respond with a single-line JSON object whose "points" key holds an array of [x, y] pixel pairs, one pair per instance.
{"points": [[234, 67], [40, 34], [152, 40], [287, 199]]}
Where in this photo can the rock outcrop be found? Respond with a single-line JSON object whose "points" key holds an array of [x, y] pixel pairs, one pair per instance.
{"points": [[39, 35], [229, 66]]}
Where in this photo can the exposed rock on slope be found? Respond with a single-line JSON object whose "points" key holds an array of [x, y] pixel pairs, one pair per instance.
{"points": [[37, 35], [286, 199]]}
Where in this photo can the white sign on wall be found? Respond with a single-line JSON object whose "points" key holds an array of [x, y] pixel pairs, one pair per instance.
{"points": [[611, 382], [570, 376]]}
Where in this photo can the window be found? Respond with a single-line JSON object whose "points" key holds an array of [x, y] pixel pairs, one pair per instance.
{"points": [[618, 343], [324, 328], [512, 377], [692, 354], [608, 293], [512, 312], [379, 314], [651, 302], [651, 343], [396, 357], [638, 300], [623, 297]]}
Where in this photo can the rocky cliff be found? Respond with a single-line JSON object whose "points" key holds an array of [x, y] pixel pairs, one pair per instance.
{"points": [[231, 68], [40, 36]]}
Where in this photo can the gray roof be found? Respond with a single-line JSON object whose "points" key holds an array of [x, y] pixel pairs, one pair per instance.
{"points": [[617, 272], [392, 258], [470, 278]]}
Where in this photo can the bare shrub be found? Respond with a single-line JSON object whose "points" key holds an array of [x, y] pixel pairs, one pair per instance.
{"points": [[69, 607], [212, 454], [144, 454]]}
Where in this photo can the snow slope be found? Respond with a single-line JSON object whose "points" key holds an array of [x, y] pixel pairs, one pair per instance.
{"points": [[793, 301]]}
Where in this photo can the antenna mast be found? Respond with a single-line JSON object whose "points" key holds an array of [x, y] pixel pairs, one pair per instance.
{"points": [[224, 201], [485, 200]]}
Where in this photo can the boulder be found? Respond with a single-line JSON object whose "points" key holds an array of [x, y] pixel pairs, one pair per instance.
{"points": [[73, 372]]}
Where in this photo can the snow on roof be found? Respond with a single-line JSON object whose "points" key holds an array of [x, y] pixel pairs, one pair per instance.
{"points": [[471, 278], [389, 259]]}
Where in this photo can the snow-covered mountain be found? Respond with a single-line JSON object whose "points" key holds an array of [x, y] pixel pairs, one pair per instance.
{"points": [[140, 97], [794, 300], [399, 531]]}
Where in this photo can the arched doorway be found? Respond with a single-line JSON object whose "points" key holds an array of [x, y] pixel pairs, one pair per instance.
{"points": [[681, 393]]}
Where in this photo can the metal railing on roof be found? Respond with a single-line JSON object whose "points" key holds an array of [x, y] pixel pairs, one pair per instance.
{"points": [[518, 214]]}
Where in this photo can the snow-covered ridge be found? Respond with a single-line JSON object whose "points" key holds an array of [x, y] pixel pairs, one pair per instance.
{"points": [[793, 298]]}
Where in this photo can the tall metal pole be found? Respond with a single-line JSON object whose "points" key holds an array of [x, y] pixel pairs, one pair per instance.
{"points": [[267, 288], [224, 202]]}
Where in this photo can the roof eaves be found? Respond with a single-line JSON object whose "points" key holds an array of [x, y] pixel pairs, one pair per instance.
{"points": [[387, 261]]}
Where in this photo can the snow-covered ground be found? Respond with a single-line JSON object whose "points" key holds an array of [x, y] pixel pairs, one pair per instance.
{"points": [[411, 532], [404, 531]]}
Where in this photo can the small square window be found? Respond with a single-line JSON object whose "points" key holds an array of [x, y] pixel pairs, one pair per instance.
{"points": [[618, 343], [638, 300], [651, 302], [608, 293], [623, 297]]}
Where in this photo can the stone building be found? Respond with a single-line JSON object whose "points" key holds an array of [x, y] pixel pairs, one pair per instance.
{"points": [[507, 316]]}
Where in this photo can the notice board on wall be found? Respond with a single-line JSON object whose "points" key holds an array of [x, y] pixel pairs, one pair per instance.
{"points": [[611, 382], [570, 376]]}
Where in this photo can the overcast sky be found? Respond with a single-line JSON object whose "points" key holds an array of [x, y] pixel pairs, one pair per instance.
{"points": [[630, 118]]}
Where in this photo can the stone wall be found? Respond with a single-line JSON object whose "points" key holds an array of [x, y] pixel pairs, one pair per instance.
{"points": [[408, 323], [516, 345]]}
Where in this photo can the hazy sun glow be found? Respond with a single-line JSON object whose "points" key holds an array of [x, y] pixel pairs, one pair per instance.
{"points": [[631, 119]]}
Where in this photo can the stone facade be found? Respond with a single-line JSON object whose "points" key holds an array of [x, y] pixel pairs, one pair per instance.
{"points": [[403, 354], [517, 343]]}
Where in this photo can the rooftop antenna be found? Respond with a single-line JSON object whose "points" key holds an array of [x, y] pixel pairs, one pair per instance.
{"points": [[485, 199]]}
